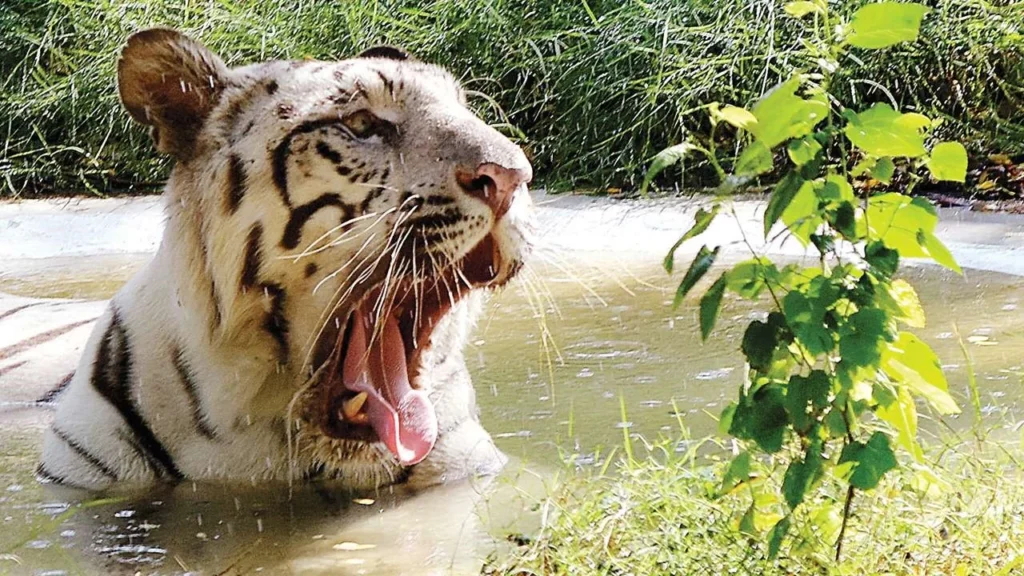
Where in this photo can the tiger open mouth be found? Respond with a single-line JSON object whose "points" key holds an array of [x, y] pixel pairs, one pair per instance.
{"points": [[371, 390]]}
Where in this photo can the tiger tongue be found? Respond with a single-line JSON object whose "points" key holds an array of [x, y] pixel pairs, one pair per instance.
{"points": [[403, 418]]}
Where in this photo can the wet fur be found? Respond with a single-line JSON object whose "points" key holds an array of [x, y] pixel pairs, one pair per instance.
{"points": [[202, 367]]}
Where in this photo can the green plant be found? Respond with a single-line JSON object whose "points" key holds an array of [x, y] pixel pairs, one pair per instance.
{"points": [[596, 86], [831, 349]]}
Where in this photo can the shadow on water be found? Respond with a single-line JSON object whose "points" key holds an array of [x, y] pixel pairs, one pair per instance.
{"points": [[553, 362]]}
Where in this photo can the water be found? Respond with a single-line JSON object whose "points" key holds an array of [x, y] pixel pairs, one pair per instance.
{"points": [[557, 359]]}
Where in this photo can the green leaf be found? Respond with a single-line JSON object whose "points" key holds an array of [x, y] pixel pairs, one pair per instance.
{"points": [[701, 221], [738, 117], [748, 524], [836, 190], [910, 362], [783, 194], [803, 150], [701, 263], [749, 277], [883, 260], [782, 115], [845, 221], [762, 417], [882, 131], [900, 300], [801, 215], [883, 24], [776, 536], [907, 225], [755, 159], [883, 170], [725, 420], [899, 221], [949, 162], [861, 338], [736, 474], [806, 396], [801, 9], [938, 251], [806, 315], [667, 157], [864, 166], [867, 463], [760, 340], [710, 303], [901, 413], [800, 477]]}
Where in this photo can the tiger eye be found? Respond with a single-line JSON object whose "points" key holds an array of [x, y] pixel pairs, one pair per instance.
{"points": [[362, 124]]}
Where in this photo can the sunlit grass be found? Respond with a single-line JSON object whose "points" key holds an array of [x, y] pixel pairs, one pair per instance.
{"points": [[592, 89], [660, 515]]}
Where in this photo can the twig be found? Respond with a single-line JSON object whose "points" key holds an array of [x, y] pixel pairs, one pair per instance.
{"points": [[846, 518]]}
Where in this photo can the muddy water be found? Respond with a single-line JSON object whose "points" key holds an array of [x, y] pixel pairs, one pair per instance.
{"points": [[558, 359]]}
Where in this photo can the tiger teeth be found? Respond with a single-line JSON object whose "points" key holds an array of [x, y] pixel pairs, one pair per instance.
{"points": [[350, 408]]}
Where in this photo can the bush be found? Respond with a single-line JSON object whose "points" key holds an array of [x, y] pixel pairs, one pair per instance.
{"points": [[593, 89]]}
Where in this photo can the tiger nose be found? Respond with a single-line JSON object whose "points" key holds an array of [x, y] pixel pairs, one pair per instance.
{"points": [[494, 184]]}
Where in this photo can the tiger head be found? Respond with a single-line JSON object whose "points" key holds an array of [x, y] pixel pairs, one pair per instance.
{"points": [[336, 219]]}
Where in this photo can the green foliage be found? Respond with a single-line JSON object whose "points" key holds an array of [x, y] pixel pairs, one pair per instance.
{"points": [[655, 517], [830, 351], [593, 90], [884, 24]]}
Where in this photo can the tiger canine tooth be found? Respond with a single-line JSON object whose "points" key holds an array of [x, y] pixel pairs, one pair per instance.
{"points": [[351, 407]]}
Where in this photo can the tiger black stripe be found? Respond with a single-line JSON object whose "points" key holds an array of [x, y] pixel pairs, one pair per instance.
{"points": [[45, 476], [387, 83], [439, 200], [276, 323], [293, 230], [111, 378], [251, 264], [236, 184], [436, 221], [84, 454], [236, 109], [215, 304], [214, 298], [372, 195], [54, 392], [188, 381], [330, 154], [151, 462], [279, 159]]}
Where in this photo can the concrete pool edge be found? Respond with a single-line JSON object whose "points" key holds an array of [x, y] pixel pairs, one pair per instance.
{"points": [[581, 228]]}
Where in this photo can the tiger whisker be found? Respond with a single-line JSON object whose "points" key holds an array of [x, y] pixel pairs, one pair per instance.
{"points": [[311, 249]]}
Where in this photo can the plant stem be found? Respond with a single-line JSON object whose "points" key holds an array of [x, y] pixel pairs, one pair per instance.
{"points": [[846, 518]]}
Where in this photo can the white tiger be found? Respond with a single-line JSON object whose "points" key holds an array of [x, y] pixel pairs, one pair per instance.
{"points": [[331, 228]]}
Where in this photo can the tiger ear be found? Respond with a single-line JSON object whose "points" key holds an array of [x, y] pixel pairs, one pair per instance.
{"points": [[388, 52], [170, 82]]}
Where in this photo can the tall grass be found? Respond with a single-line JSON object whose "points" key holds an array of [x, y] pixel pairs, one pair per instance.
{"points": [[592, 88]]}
